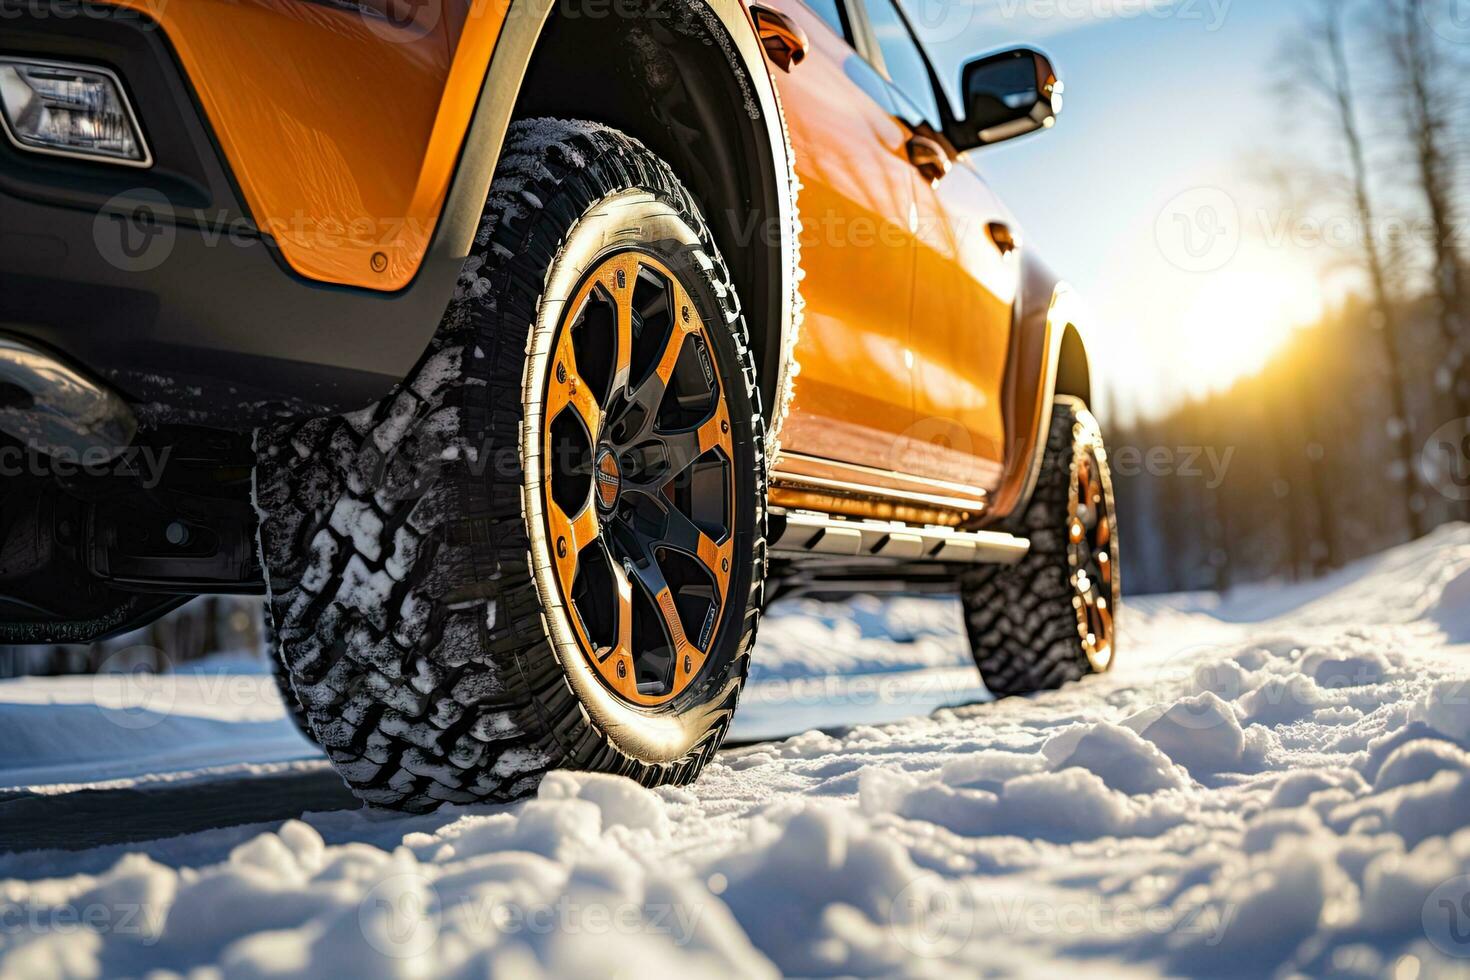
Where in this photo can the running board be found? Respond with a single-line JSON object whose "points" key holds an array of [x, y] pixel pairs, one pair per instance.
{"points": [[805, 534]]}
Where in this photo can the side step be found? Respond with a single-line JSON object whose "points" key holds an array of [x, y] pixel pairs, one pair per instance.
{"points": [[804, 534]]}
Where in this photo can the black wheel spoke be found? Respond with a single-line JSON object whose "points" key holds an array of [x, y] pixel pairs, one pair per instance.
{"points": [[681, 450], [680, 533]]}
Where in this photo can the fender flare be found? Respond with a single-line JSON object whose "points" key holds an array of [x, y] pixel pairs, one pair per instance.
{"points": [[509, 62], [1049, 358]]}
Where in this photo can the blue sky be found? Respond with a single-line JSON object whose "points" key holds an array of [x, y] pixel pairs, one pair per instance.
{"points": [[1163, 99]]}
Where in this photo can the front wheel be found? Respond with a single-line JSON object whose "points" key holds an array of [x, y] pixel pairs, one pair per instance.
{"points": [[547, 550], [1051, 618]]}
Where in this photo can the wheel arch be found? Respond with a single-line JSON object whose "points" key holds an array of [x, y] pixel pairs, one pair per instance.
{"points": [[1049, 358], [1074, 370], [689, 79]]}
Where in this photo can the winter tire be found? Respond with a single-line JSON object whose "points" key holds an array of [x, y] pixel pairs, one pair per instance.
{"points": [[1049, 620], [547, 549]]}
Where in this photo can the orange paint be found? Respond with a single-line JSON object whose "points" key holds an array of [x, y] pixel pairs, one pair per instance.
{"points": [[342, 129], [904, 347], [854, 393]]}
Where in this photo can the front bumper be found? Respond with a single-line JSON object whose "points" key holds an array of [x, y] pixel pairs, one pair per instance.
{"points": [[191, 326], [160, 283]]}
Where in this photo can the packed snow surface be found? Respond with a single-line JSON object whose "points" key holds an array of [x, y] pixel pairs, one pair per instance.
{"points": [[1274, 782]]}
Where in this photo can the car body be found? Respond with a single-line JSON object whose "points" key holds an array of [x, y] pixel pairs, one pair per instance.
{"points": [[301, 147], [276, 219]]}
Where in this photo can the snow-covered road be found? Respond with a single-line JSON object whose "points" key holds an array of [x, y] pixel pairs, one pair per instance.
{"points": [[1275, 782]]}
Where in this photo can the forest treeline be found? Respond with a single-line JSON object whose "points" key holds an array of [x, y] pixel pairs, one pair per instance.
{"points": [[1355, 436]]}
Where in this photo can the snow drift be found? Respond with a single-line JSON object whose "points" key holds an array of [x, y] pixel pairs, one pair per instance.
{"points": [[1274, 782]]}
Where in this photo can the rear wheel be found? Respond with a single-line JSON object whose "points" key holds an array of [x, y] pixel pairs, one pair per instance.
{"points": [[1050, 619], [548, 549]]}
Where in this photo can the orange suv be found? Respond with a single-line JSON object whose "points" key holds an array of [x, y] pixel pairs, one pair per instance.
{"points": [[519, 352]]}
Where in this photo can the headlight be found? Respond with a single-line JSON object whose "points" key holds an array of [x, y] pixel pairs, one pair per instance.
{"points": [[69, 110]]}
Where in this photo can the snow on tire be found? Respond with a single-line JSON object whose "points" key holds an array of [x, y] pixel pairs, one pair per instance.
{"points": [[407, 548], [1048, 620]]}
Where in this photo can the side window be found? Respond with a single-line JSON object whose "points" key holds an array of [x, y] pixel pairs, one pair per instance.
{"points": [[905, 62], [831, 12]]}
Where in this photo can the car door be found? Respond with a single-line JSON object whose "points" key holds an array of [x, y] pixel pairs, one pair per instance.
{"points": [[854, 393], [967, 273]]}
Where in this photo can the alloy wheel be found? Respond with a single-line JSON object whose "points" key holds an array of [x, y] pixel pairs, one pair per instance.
{"points": [[639, 491]]}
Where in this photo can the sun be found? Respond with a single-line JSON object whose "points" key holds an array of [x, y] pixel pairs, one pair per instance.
{"points": [[1238, 318]]}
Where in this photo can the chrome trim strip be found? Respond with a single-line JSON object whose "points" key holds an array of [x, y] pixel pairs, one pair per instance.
{"points": [[863, 475], [866, 492]]}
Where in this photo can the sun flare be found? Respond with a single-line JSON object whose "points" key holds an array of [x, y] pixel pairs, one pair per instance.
{"points": [[1237, 319]]}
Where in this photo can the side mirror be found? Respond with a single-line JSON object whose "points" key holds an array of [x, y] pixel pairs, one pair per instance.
{"points": [[1008, 95]]}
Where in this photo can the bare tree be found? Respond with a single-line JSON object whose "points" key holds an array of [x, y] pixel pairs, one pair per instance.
{"points": [[1321, 45], [1424, 91]]}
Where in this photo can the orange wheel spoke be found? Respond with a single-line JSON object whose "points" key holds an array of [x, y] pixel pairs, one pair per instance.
{"points": [[569, 388], [620, 276]]}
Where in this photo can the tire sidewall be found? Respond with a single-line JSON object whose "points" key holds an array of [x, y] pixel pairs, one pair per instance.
{"points": [[638, 219]]}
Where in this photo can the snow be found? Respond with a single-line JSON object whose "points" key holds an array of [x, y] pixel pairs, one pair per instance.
{"points": [[1283, 791]]}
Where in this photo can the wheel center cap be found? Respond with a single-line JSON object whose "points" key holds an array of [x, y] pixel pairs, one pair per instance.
{"points": [[609, 479]]}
